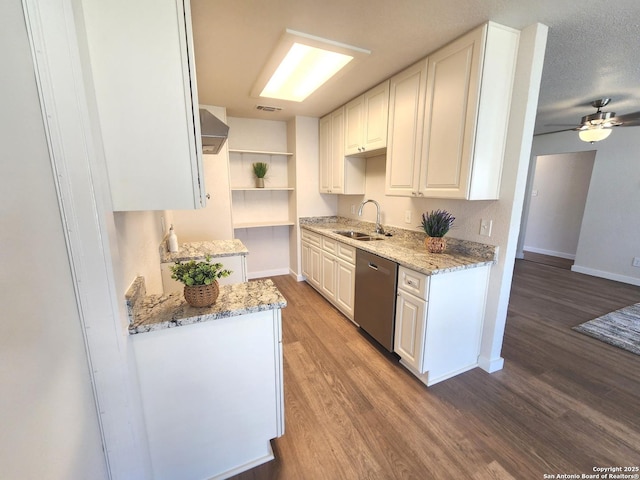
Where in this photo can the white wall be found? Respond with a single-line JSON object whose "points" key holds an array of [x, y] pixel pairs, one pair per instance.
{"points": [[213, 222], [138, 237], [609, 236], [47, 410], [556, 203]]}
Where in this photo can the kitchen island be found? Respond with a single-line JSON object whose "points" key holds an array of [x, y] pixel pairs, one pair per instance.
{"points": [[210, 378]]}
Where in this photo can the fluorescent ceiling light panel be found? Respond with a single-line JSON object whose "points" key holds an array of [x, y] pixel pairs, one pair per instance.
{"points": [[302, 71], [301, 64]]}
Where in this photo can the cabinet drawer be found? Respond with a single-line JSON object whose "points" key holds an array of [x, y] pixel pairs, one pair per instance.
{"points": [[329, 245], [311, 238], [347, 253], [413, 282]]}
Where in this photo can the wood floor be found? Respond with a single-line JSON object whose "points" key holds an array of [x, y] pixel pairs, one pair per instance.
{"points": [[548, 260], [563, 404]]}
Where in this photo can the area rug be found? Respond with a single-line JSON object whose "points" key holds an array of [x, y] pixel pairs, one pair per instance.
{"points": [[620, 328]]}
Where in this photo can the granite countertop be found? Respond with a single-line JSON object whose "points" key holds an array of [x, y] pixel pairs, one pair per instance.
{"points": [[406, 247], [148, 313], [199, 250]]}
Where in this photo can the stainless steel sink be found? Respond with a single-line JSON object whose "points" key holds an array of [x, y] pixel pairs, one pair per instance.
{"points": [[352, 234], [364, 237]]}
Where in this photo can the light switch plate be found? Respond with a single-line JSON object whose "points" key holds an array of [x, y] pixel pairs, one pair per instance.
{"points": [[407, 216], [485, 227]]}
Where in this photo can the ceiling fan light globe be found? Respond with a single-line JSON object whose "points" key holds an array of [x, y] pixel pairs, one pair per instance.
{"points": [[594, 134]]}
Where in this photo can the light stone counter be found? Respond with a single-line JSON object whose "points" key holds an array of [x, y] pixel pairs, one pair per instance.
{"points": [[406, 247], [157, 312], [199, 250]]}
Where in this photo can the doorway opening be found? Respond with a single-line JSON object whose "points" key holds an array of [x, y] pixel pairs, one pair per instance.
{"points": [[556, 204]]}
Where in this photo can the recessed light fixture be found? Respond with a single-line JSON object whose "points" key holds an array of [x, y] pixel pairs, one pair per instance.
{"points": [[302, 63]]}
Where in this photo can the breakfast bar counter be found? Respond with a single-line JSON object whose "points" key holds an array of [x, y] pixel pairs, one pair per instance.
{"points": [[157, 312]]}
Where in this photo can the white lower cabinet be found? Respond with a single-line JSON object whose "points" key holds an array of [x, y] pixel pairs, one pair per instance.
{"points": [[345, 287], [410, 323], [328, 282], [311, 258], [439, 321], [212, 395], [329, 267]]}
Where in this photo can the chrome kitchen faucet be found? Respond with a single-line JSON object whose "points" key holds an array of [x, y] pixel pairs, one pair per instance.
{"points": [[379, 228]]}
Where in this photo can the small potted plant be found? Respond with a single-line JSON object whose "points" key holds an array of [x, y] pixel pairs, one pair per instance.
{"points": [[436, 224], [200, 280], [260, 171]]}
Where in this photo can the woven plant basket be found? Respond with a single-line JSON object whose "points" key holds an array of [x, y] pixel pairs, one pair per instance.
{"points": [[435, 244], [201, 295]]}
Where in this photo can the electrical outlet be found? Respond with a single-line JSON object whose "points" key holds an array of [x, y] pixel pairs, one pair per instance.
{"points": [[485, 227], [407, 216], [162, 226], [353, 209], [636, 262]]}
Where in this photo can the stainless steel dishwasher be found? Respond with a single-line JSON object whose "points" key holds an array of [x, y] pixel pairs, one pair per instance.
{"points": [[375, 296]]}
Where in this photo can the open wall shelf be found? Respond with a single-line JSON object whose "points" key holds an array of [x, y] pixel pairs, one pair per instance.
{"points": [[270, 206]]}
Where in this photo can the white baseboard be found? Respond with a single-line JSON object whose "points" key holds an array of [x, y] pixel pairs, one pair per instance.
{"points": [[247, 466], [491, 366], [551, 253], [267, 273], [297, 276], [608, 275]]}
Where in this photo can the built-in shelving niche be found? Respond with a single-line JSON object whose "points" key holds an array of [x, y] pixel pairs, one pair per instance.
{"points": [[262, 217]]}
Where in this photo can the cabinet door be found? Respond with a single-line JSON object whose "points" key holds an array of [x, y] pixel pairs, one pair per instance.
{"points": [[145, 87], [453, 83], [353, 122], [306, 259], [375, 119], [409, 330], [337, 151], [315, 266], [406, 119], [328, 276], [311, 263], [345, 289], [325, 158]]}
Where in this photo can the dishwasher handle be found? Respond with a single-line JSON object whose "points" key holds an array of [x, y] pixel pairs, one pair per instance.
{"points": [[373, 266]]}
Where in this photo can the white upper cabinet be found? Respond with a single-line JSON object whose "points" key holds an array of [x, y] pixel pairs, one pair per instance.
{"points": [[143, 69], [366, 122], [468, 99], [406, 119], [337, 173], [325, 154]]}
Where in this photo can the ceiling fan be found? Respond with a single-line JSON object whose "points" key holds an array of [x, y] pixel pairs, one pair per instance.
{"points": [[598, 125]]}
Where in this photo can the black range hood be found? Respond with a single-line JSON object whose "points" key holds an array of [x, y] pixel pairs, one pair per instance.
{"points": [[213, 130]]}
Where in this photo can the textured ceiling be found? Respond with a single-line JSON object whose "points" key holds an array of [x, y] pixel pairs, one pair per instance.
{"points": [[593, 48]]}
